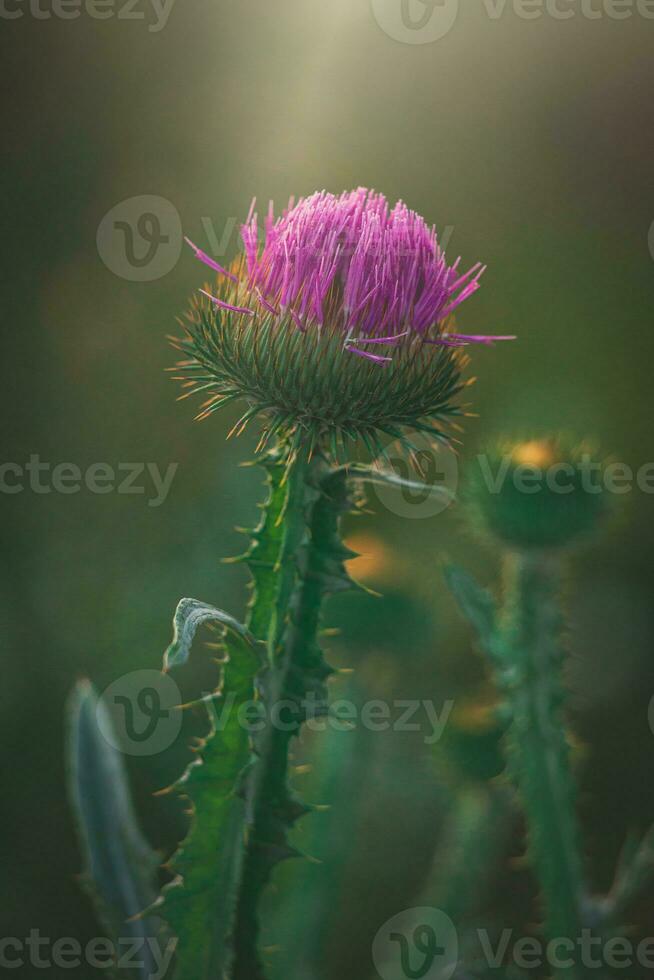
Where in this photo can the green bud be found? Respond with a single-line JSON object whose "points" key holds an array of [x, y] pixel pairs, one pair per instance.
{"points": [[539, 494]]}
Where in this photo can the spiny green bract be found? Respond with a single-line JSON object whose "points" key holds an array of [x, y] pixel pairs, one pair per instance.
{"points": [[538, 494], [305, 387]]}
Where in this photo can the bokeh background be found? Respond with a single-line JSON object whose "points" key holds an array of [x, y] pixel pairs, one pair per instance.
{"points": [[529, 143]]}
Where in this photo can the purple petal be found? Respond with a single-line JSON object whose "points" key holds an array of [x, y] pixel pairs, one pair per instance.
{"points": [[444, 341], [479, 338], [203, 257], [296, 320], [264, 302], [381, 340], [228, 306], [377, 358]]}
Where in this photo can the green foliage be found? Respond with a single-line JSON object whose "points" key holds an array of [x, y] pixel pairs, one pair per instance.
{"points": [[189, 616], [479, 816], [390, 478], [472, 757], [470, 850], [537, 748], [120, 868], [634, 875], [264, 552], [199, 904], [241, 804], [309, 567], [525, 647], [476, 604]]}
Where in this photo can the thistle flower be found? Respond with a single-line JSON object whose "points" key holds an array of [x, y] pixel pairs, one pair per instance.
{"points": [[339, 324], [538, 494]]}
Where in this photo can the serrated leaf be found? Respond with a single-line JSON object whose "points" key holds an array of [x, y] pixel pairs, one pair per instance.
{"points": [[199, 905], [120, 867], [189, 616]]}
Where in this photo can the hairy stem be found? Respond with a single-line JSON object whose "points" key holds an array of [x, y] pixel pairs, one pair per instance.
{"points": [[538, 751]]}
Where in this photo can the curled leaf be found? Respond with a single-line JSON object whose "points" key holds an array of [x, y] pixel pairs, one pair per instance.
{"points": [[189, 616]]}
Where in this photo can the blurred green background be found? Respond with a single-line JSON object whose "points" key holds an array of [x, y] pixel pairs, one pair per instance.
{"points": [[530, 143]]}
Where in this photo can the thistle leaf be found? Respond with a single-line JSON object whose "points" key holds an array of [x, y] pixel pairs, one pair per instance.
{"points": [[199, 904], [370, 474], [189, 616], [120, 870], [477, 604]]}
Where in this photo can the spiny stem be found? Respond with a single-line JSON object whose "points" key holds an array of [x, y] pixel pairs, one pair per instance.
{"points": [[309, 565], [538, 752]]}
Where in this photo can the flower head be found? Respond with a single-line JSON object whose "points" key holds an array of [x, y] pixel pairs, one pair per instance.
{"points": [[541, 494], [339, 323]]}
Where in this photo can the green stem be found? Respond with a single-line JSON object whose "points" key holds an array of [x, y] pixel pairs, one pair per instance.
{"points": [[475, 833], [538, 751], [633, 878], [292, 686]]}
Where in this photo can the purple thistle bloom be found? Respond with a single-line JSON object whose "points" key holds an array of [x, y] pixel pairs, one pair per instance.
{"points": [[333, 274], [382, 268]]}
